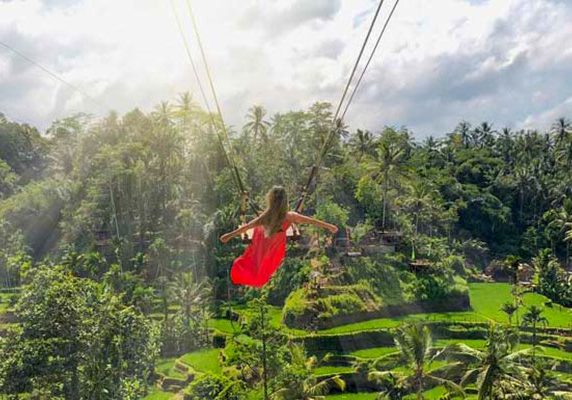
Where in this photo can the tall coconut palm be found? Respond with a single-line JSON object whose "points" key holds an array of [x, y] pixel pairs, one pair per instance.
{"points": [[433, 148], [533, 318], [464, 132], [418, 202], [184, 111], [256, 124], [415, 344], [190, 295], [505, 146], [561, 129], [388, 167], [497, 368], [563, 222], [362, 143], [525, 181], [163, 113], [185, 106], [305, 385], [483, 135]]}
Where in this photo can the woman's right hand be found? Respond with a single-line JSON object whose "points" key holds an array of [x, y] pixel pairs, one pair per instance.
{"points": [[333, 229]]}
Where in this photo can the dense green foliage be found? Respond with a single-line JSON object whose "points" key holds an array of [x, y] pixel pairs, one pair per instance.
{"points": [[110, 231], [76, 340]]}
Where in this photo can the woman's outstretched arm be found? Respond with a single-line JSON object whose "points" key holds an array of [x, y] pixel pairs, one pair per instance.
{"points": [[239, 231], [302, 219]]}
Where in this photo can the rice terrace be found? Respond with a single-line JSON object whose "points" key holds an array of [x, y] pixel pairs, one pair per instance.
{"points": [[294, 200]]}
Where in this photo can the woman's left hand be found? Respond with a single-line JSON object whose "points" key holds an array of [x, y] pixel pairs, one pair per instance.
{"points": [[226, 237]]}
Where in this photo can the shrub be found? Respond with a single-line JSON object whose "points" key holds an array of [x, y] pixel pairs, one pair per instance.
{"points": [[333, 212], [302, 308], [295, 305], [214, 387], [429, 288], [344, 303], [381, 276], [455, 264], [291, 276]]}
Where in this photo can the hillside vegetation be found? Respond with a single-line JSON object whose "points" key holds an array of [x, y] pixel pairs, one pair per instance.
{"points": [[452, 259]]}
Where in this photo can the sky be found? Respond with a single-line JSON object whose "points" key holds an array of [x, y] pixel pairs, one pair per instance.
{"points": [[508, 62]]}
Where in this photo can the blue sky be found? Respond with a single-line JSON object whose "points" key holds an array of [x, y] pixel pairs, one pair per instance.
{"points": [[505, 61]]}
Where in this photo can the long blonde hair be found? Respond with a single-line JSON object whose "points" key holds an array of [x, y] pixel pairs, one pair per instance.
{"points": [[276, 209]]}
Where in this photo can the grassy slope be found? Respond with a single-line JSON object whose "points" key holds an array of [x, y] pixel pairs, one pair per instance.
{"points": [[377, 352], [486, 300], [156, 394], [206, 360], [353, 396], [329, 370], [166, 366]]}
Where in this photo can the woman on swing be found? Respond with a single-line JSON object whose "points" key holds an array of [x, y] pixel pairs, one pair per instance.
{"points": [[268, 248]]}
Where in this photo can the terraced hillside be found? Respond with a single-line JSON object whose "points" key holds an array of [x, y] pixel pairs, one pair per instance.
{"points": [[342, 348]]}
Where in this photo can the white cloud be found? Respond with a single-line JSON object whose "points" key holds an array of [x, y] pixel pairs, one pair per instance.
{"points": [[501, 60]]}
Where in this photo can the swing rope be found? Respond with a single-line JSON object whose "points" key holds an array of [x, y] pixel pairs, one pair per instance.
{"points": [[54, 75], [218, 126], [355, 89], [238, 179], [228, 158], [336, 122]]}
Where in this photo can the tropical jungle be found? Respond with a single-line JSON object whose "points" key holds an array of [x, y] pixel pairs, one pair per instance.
{"points": [[449, 276]]}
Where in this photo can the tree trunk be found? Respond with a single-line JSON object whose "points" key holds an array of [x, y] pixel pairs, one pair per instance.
{"points": [[521, 207], [385, 189], [419, 385], [165, 309], [264, 366], [533, 342]]}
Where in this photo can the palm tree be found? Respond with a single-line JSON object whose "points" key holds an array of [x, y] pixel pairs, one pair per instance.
{"points": [[185, 109], [185, 106], [464, 132], [163, 113], [483, 135], [419, 199], [389, 167], [256, 124], [433, 149], [190, 294], [362, 143], [505, 145], [497, 367], [509, 309], [517, 300], [563, 222], [540, 382], [525, 181], [415, 344], [533, 317], [561, 129], [163, 292], [306, 386]]}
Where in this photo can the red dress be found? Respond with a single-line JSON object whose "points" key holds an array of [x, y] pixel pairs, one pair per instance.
{"points": [[261, 258]]}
